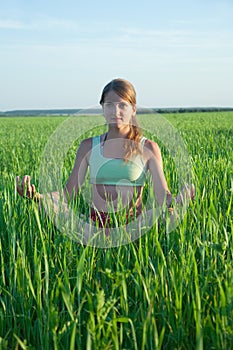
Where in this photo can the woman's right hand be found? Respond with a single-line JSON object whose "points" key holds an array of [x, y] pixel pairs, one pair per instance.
{"points": [[187, 194], [24, 187]]}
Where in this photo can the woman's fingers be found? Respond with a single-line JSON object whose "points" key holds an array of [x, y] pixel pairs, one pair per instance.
{"points": [[192, 192], [187, 193], [25, 185], [25, 188], [33, 190], [18, 186], [28, 187]]}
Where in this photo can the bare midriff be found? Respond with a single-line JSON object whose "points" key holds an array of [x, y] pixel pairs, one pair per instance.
{"points": [[116, 198]]}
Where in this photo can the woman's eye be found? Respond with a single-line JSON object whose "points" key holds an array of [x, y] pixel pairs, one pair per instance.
{"points": [[122, 105]]}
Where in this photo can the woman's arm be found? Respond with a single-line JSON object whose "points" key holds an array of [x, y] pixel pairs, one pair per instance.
{"points": [[155, 167], [79, 171], [74, 183], [162, 192]]}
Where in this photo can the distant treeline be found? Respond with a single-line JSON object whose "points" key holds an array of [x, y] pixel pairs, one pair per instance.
{"points": [[184, 110], [56, 112]]}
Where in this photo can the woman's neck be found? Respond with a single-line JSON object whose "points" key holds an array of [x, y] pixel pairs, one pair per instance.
{"points": [[114, 132]]}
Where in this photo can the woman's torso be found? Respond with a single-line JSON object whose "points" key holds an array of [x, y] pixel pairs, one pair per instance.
{"points": [[112, 195]]}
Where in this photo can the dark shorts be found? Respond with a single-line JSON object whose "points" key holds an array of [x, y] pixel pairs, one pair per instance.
{"points": [[107, 220]]}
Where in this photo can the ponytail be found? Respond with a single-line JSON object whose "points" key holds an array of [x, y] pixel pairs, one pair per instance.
{"points": [[132, 144]]}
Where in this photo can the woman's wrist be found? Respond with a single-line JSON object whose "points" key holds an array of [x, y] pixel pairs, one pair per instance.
{"points": [[37, 197]]}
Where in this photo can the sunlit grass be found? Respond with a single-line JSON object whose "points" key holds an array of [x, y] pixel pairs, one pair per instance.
{"points": [[164, 291]]}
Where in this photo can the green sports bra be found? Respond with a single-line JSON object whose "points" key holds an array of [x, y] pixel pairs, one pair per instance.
{"points": [[115, 171]]}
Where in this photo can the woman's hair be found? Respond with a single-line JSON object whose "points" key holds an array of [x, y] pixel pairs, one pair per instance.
{"points": [[124, 89]]}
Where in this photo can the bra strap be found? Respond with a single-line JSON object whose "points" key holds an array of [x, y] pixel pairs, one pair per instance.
{"points": [[143, 139], [95, 141]]}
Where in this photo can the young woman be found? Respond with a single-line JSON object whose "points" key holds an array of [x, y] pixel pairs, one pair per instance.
{"points": [[118, 161]]}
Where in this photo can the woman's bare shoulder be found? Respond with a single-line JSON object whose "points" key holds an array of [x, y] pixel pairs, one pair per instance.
{"points": [[152, 153], [86, 143], [86, 146], [153, 147]]}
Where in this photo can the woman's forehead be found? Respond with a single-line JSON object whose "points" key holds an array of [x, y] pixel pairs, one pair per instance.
{"points": [[111, 96]]}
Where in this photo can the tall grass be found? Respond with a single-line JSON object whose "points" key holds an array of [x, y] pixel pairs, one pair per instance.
{"points": [[165, 291]]}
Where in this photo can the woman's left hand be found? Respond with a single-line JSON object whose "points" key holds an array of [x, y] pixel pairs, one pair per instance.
{"points": [[24, 187]]}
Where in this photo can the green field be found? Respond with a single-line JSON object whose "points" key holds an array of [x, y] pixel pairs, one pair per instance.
{"points": [[164, 291]]}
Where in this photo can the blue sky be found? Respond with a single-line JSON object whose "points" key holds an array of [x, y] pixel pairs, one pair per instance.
{"points": [[60, 54]]}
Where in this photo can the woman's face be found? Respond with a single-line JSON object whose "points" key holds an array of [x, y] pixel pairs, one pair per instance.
{"points": [[117, 111]]}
